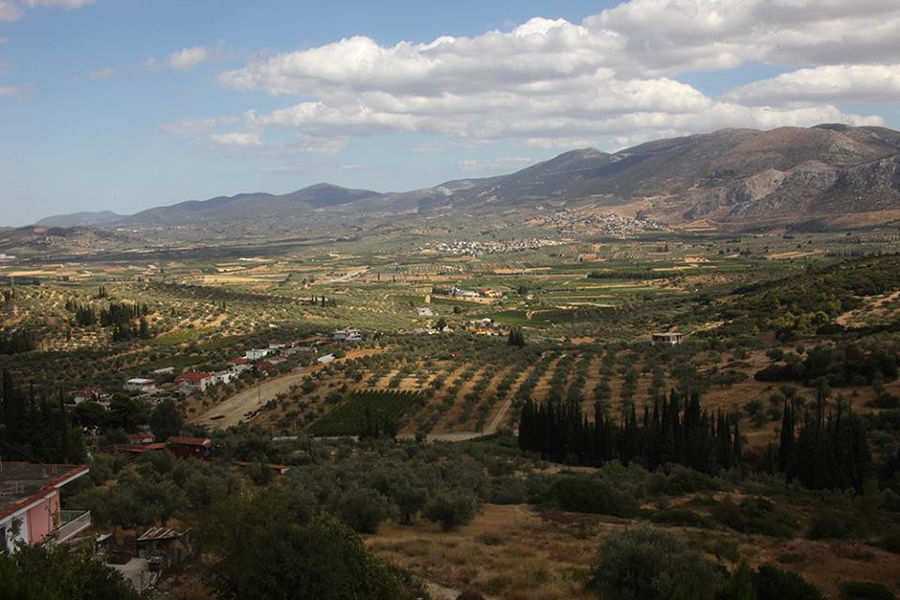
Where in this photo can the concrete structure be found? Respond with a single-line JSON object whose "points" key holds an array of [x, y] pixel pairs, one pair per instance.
{"points": [[223, 376], [89, 394], [327, 358], [139, 385], [667, 338], [29, 504], [347, 335], [257, 353]]}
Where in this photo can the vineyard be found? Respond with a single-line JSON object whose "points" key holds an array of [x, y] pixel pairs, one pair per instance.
{"points": [[366, 412]]}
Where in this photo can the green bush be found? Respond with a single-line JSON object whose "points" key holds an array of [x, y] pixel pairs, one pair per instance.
{"points": [[752, 515], [597, 496], [771, 583], [865, 590], [364, 509], [451, 510], [681, 518], [830, 526], [649, 564]]}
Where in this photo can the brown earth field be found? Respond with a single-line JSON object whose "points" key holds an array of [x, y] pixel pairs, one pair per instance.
{"points": [[516, 552]]}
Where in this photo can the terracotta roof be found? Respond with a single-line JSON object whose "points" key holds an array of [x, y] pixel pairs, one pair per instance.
{"points": [[160, 533], [238, 361], [136, 448], [190, 441], [22, 483], [90, 391], [192, 376]]}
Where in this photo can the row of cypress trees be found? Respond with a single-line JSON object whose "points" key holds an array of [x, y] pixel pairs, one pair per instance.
{"points": [[824, 451], [673, 430], [35, 428]]}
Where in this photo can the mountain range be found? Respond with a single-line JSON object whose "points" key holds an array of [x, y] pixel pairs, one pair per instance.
{"points": [[732, 178]]}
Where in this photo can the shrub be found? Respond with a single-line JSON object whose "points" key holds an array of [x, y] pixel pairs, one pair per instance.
{"points": [[681, 518], [830, 526], [579, 494], [865, 590], [451, 510], [771, 583], [649, 564], [363, 510], [752, 515]]}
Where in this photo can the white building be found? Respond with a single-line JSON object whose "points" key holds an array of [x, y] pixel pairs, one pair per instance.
{"points": [[140, 385], [667, 338], [256, 353], [347, 335]]}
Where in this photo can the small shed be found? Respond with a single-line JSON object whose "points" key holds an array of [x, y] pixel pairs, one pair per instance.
{"points": [[667, 338], [164, 547]]}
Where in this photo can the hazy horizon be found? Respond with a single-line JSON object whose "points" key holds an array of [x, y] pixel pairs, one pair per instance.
{"points": [[124, 106]]}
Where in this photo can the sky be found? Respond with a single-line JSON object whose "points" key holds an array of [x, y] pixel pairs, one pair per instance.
{"points": [[124, 105]]}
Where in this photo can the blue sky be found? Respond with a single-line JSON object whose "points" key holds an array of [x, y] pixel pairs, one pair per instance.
{"points": [[127, 104]]}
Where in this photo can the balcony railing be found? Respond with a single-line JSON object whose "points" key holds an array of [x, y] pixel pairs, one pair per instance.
{"points": [[70, 523]]}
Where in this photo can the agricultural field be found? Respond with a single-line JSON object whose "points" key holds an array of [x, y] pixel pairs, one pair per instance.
{"points": [[366, 413], [454, 348]]}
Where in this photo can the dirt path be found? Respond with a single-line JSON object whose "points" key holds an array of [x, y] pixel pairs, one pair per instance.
{"points": [[237, 408]]}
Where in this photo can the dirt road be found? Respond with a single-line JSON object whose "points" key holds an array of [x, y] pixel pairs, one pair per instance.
{"points": [[237, 408]]}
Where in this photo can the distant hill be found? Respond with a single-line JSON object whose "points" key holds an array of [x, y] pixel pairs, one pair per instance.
{"points": [[80, 219], [255, 206], [732, 178]]}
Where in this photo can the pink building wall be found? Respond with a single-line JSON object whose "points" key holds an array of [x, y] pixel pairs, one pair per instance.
{"points": [[41, 517]]}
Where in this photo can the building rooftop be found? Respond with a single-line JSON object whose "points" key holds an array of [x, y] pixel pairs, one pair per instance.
{"points": [[160, 533], [22, 483], [193, 376], [190, 441]]}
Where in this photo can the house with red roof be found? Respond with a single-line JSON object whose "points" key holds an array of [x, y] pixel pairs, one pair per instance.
{"points": [[190, 447], [193, 381], [30, 510], [90, 393]]}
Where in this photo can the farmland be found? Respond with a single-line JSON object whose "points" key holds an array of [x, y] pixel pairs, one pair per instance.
{"points": [[770, 320], [365, 413]]}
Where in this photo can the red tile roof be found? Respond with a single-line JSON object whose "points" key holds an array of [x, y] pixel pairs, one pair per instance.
{"points": [[190, 441], [192, 376], [35, 481]]}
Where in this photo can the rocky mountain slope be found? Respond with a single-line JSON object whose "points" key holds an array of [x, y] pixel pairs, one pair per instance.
{"points": [[733, 178]]}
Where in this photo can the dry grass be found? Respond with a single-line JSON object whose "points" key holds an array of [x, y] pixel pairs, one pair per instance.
{"points": [[516, 552]]}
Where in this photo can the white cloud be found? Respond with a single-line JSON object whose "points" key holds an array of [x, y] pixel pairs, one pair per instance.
{"points": [[236, 139], [103, 73], [193, 127], [10, 11], [187, 58], [184, 59], [850, 83], [312, 168], [57, 3], [551, 83], [495, 164], [14, 90]]}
